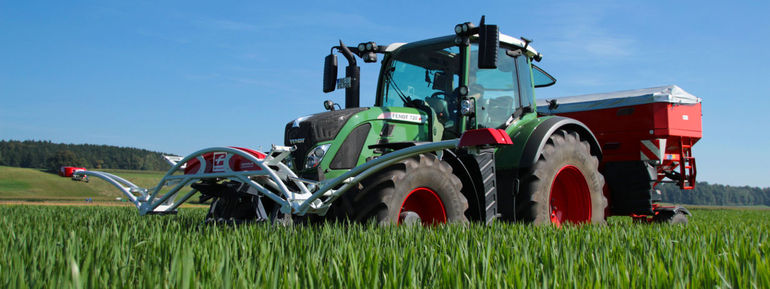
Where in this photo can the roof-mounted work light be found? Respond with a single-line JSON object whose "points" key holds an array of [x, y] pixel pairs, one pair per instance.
{"points": [[465, 29], [368, 51]]}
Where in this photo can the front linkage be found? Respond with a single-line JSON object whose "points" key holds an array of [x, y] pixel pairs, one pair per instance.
{"points": [[271, 178]]}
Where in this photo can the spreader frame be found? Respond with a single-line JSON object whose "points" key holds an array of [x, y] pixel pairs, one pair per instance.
{"points": [[270, 180]]}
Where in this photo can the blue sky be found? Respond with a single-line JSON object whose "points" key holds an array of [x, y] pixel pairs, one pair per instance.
{"points": [[179, 76]]}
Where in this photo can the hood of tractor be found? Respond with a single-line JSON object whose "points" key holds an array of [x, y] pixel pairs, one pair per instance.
{"points": [[305, 132]]}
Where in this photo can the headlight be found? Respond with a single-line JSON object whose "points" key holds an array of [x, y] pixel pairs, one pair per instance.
{"points": [[289, 162], [315, 156]]}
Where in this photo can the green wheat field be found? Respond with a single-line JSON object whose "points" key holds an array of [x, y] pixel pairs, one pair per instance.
{"points": [[103, 247]]}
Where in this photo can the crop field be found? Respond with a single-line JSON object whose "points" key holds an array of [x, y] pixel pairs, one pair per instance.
{"points": [[97, 247]]}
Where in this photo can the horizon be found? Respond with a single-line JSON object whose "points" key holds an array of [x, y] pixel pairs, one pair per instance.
{"points": [[175, 77]]}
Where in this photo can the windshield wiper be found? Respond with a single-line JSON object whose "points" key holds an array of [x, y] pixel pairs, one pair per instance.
{"points": [[389, 78]]}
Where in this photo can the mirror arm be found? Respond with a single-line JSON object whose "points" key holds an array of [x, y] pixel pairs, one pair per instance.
{"points": [[347, 53]]}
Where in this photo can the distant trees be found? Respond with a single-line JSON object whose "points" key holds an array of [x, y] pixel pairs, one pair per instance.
{"points": [[51, 156], [64, 158], [715, 194]]}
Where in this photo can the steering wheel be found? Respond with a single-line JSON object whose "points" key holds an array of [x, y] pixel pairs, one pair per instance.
{"points": [[450, 101], [437, 93], [443, 106]]}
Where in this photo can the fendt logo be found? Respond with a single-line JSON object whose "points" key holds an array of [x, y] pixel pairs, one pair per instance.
{"points": [[219, 162], [407, 117]]}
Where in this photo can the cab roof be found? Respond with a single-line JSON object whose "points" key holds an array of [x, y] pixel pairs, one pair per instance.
{"points": [[503, 39]]}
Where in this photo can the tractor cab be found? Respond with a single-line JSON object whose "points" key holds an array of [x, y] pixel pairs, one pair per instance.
{"points": [[434, 74], [447, 81]]}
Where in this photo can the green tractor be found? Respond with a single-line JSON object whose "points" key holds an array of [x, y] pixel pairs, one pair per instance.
{"points": [[454, 136], [437, 89]]}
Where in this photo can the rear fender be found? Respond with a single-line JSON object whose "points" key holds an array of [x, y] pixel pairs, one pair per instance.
{"points": [[539, 137]]}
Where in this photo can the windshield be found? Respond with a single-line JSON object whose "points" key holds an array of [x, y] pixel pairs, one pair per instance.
{"points": [[422, 76], [428, 77]]}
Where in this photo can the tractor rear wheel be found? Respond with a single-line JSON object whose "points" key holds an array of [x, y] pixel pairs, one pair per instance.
{"points": [[564, 185], [416, 190]]}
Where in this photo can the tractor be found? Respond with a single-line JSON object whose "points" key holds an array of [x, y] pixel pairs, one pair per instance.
{"points": [[454, 135]]}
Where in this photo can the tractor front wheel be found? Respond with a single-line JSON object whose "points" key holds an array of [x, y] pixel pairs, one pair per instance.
{"points": [[416, 190], [564, 185]]}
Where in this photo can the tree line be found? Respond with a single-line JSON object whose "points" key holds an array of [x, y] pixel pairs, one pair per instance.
{"points": [[51, 156], [716, 194]]}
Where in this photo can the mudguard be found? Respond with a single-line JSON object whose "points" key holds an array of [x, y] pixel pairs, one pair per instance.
{"points": [[539, 137]]}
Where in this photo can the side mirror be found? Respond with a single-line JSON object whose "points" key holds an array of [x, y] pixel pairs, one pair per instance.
{"points": [[330, 73], [489, 43], [553, 104]]}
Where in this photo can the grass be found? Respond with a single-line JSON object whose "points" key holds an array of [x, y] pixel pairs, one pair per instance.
{"points": [[95, 247], [36, 184]]}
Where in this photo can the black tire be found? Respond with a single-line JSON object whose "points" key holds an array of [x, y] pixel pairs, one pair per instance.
{"points": [[245, 209], [380, 197], [563, 152], [233, 210]]}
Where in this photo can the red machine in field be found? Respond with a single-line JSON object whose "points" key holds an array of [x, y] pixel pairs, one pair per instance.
{"points": [[68, 171], [646, 136]]}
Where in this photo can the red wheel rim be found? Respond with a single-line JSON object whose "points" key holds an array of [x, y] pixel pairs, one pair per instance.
{"points": [[425, 203], [570, 198]]}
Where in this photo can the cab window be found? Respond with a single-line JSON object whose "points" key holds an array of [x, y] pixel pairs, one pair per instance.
{"points": [[495, 90]]}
